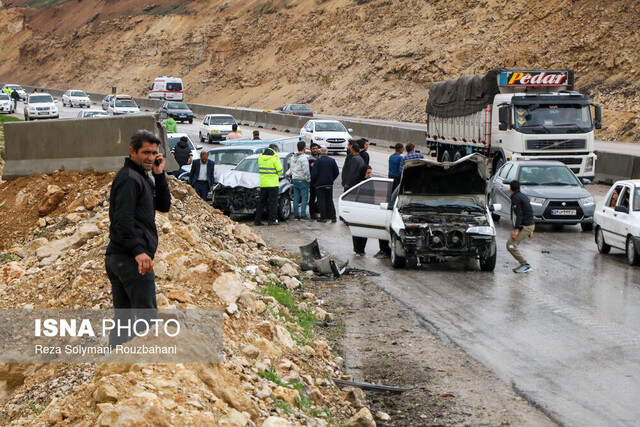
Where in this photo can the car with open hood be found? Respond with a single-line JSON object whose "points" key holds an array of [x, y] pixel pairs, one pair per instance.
{"points": [[226, 158], [437, 212], [557, 195], [237, 191]]}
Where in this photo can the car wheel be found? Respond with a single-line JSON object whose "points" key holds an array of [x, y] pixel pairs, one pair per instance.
{"points": [[190, 121], [26, 118], [200, 136], [446, 157], [603, 248], [284, 207], [396, 260], [632, 252], [587, 226], [489, 264]]}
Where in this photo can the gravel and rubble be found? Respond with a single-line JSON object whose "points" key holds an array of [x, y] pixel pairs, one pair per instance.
{"points": [[276, 371]]}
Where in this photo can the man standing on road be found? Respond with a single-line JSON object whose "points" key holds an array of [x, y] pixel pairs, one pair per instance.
{"points": [[324, 173], [394, 165], [411, 154], [201, 176], [182, 152], [301, 180], [356, 168], [364, 146], [313, 206], [15, 96], [171, 125], [235, 133], [138, 190], [270, 168], [521, 206], [256, 135]]}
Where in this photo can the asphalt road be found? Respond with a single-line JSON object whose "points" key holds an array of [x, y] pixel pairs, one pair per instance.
{"points": [[566, 335]]}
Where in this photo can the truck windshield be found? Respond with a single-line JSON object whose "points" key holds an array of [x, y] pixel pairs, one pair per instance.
{"points": [[549, 118]]}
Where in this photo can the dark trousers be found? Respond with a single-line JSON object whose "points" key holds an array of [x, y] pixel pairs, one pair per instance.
{"points": [[313, 205], [359, 244], [384, 246], [130, 290], [396, 182], [325, 203], [268, 198], [202, 188]]}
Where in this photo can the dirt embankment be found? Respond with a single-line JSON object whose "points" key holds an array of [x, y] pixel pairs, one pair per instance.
{"points": [[368, 58]]}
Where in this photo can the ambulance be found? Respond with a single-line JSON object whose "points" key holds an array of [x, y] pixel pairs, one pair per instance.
{"points": [[166, 87]]}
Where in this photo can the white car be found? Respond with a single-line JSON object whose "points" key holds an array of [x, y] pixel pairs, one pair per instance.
{"points": [[75, 98], [330, 133], [92, 114], [216, 127], [439, 212], [6, 104], [122, 104], [40, 106], [18, 88], [618, 220]]}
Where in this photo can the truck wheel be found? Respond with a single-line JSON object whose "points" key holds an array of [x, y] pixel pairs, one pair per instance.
{"points": [[396, 261], [632, 253], [603, 248], [488, 264], [284, 207]]}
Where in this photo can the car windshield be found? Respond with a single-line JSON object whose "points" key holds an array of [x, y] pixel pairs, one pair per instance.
{"points": [[15, 87], [330, 127], [126, 103], [173, 141], [95, 113], [248, 165], [547, 175], [299, 107], [78, 93], [4, 97], [229, 157], [40, 99], [174, 87], [177, 106], [636, 200], [547, 118], [222, 121]]}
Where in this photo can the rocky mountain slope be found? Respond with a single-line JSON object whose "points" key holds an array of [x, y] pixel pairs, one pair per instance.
{"points": [[367, 58]]}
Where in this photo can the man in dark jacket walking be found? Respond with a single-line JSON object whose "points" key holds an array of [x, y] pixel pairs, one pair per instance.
{"points": [[356, 168], [201, 176], [313, 204], [525, 224], [16, 97], [182, 153], [323, 174], [138, 190]]}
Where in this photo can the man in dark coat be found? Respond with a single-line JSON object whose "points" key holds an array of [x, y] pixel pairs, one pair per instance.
{"points": [[201, 175], [323, 174], [313, 205], [356, 168], [182, 152], [524, 225]]}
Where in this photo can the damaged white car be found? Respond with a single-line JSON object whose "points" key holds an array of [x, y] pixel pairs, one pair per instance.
{"points": [[438, 212]]}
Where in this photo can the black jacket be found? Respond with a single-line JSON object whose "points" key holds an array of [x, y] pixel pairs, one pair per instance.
{"points": [[133, 202], [355, 171], [182, 152], [324, 172], [365, 157], [15, 95], [521, 206]]}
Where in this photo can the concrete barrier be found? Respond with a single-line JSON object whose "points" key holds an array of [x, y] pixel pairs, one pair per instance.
{"points": [[611, 167], [99, 144]]}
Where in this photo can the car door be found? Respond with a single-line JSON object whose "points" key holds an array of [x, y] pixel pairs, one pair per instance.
{"points": [[360, 208], [203, 126], [500, 190], [604, 216], [620, 220]]}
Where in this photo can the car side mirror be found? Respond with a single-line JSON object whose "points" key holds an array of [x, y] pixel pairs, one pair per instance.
{"points": [[495, 207], [503, 117], [621, 209], [598, 117], [198, 147], [55, 100], [585, 181], [349, 130], [384, 206]]}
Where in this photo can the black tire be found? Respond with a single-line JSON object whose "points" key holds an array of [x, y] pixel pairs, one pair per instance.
{"points": [[489, 264], [603, 248], [26, 118], [457, 156], [446, 157], [495, 217], [396, 261], [632, 252], [284, 207], [190, 121], [587, 226], [201, 137]]}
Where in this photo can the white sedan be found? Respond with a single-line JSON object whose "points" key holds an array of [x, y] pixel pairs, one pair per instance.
{"points": [[330, 133], [75, 98], [618, 220]]}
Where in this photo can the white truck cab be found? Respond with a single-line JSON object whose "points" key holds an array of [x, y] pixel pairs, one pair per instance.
{"points": [[166, 87]]}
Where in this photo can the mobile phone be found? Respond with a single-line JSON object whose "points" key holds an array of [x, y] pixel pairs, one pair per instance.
{"points": [[157, 162]]}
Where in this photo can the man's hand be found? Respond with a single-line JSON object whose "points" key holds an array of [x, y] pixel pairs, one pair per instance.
{"points": [[515, 233], [158, 168], [531, 235], [145, 263]]}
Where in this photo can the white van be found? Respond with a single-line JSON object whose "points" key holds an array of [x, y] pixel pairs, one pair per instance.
{"points": [[166, 87]]}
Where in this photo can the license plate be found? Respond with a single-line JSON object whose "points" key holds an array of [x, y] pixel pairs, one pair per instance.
{"points": [[560, 212], [43, 113]]}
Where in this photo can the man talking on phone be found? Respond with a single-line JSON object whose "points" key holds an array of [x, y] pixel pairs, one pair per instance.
{"points": [[138, 190]]}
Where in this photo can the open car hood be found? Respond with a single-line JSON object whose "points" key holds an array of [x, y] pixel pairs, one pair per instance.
{"points": [[424, 177]]}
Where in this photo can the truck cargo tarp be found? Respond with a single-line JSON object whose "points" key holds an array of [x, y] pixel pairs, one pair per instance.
{"points": [[466, 95]]}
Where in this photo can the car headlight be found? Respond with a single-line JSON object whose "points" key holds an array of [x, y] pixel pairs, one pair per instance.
{"points": [[537, 201], [215, 131], [588, 201], [487, 231], [319, 138]]}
